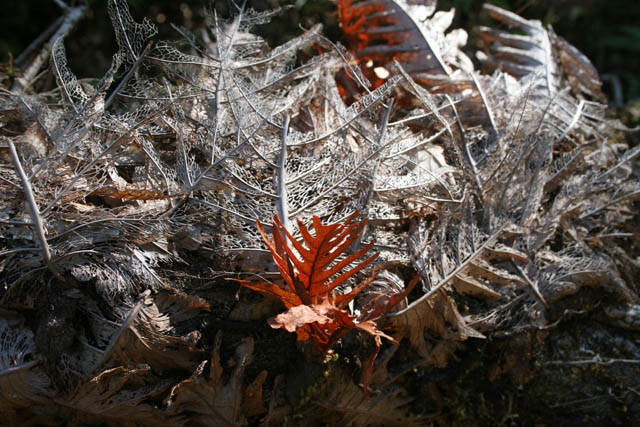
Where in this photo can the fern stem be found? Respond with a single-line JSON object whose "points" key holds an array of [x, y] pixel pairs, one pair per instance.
{"points": [[282, 206], [71, 18], [36, 218], [459, 269], [127, 76]]}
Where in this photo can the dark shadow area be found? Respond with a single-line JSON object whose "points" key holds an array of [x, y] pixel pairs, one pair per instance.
{"points": [[607, 32]]}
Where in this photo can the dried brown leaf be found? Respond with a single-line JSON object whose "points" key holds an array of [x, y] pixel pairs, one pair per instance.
{"points": [[208, 399], [147, 333], [252, 403], [467, 285], [342, 403], [116, 397], [299, 316], [438, 315]]}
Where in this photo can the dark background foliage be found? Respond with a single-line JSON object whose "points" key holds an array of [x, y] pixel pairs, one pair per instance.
{"points": [[608, 32]]}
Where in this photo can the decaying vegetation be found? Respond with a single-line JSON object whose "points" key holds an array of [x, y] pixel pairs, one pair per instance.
{"points": [[136, 207]]}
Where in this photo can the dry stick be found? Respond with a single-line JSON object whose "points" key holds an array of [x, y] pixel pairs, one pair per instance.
{"points": [[127, 76], [71, 18], [532, 284], [36, 218], [282, 206], [372, 189]]}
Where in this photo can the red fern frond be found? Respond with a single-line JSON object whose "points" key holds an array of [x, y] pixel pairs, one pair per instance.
{"points": [[382, 31], [411, 34], [308, 265], [312, 268]]}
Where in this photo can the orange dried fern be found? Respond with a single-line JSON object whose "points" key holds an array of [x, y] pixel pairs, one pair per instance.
{"points": [[411, 34], [311, 270], [307, 273], [382, 31]]}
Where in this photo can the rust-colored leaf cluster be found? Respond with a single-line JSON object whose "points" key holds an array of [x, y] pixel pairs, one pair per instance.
{"points": [[383, 31], [312, 270], [409, 36]]}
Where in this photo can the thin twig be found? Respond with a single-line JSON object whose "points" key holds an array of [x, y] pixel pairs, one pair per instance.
{"points": [[36, 218], [534, 286], [71, 18], [282, 205], [595, 360], [127, 76]]}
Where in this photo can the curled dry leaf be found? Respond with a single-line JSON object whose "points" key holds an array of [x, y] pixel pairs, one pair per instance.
{"points": [[211, 401], [117, 397], [341, 402], [146, 333], [437, 314], [298, 316]]}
